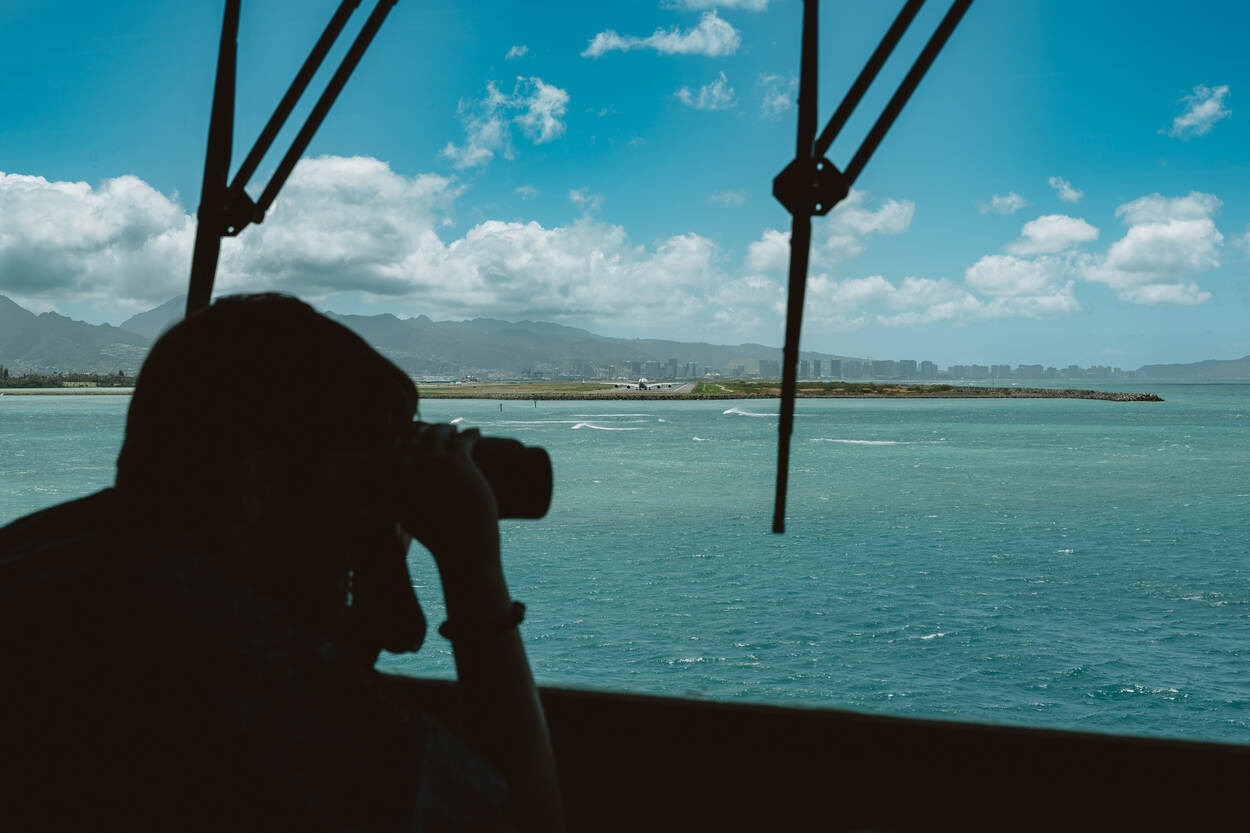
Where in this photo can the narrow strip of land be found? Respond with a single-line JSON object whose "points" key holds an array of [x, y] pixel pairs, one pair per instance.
{"points": [[729, 389], [768, 390]]}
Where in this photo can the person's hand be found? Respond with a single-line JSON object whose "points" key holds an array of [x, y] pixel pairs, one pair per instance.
{"points": [[448, 505]]}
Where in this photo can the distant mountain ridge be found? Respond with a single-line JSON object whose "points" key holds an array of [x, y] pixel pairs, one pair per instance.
{"points": [[1211, 369], [50, 343], [420, 346]]}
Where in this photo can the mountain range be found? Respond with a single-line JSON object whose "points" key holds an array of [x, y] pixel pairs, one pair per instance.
{"points": [[50, 342], [420, 346]]}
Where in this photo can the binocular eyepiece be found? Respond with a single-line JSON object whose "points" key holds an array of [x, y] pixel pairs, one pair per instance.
{"points": [[518, 474]]}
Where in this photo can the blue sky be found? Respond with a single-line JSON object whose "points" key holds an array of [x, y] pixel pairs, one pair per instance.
{"points": [[1070, 184]]}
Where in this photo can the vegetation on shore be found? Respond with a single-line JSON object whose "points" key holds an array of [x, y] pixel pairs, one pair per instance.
{"points": [[749, 389], [720, 389], [65, 380]]}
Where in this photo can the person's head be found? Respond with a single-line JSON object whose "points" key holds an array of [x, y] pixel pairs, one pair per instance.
{"points": [[269, 430]]}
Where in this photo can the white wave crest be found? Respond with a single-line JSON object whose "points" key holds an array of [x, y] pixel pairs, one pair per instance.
{"points": [[740, 412], [600, 427], [699, 439], [860, 442], [457, 420], [537, 421]]}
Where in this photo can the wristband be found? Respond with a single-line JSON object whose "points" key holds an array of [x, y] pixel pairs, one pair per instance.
{"points": [[514, 617]]}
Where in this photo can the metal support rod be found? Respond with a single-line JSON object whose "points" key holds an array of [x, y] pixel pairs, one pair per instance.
{"points": [[867, 75], [800, 249], [293, 93], [811, 185], [363, 38], [216, 167], [904, 91]]}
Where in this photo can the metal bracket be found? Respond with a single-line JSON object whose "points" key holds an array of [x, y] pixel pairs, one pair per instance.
{"points": [[810, 186], [238, 212]]}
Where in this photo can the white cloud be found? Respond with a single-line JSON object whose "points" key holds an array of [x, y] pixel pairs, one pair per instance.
{"points": [[713, 37], [843, 232], [1203, 108], [968, 308], [1065, 190], [352, 225], [526, 192], [771, 253], [698, 5], [717, 95], [583, 199], [518, 51], [536, 107], [1008, 204], [729, 198], [840, 236], [1052, 233], [1007, 275], [1169, 242], [119, 243], [1156, 208], [852, 302], [1242, 241], [777, 94]]}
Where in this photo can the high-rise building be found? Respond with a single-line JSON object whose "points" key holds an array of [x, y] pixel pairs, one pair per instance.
{"points": [[816, 368], [835, 369], [928, 370], [805, 369], [907, 369]]}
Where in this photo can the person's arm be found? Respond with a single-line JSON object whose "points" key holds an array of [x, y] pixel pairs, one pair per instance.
{"points": [[459, 524]]}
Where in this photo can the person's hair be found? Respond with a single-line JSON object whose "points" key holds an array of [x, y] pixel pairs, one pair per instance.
{"points": [[262, 377]]}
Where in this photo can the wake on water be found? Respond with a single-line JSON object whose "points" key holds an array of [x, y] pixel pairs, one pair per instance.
{"points": [[600, 427]]}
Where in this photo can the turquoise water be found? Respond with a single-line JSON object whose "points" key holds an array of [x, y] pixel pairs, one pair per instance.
{"points": [[1058, 563]]}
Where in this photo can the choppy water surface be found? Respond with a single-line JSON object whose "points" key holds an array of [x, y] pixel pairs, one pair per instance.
{"points": [[1059, 563]]}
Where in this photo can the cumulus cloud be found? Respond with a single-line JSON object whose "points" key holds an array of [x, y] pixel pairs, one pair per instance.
{"points": [[1007, 275], [853, 302], [717, 95], [1169, 242], [844, 232], [536, 107], [346, 225], [842, 235], [1052, 233], [713, 37], [1005, 204], [697, 5], [1065, 190], [518, 51], [583, 199], [1203, 108], [777, 93], [729, 198], [121, 241]]}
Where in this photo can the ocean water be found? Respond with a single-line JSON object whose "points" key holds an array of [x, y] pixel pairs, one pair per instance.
{"points": [[1056, 563]]}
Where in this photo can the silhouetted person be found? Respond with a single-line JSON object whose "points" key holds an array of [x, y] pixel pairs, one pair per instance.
{"points": [[194, 648]]}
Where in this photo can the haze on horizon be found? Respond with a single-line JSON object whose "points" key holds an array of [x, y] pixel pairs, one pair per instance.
{"points": [[1066, 186]]}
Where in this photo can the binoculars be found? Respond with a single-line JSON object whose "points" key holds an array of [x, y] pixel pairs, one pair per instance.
{"points": [[518, 474]]}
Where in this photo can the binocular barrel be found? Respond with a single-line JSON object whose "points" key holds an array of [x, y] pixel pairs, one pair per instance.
{"points": [[518, 474]]}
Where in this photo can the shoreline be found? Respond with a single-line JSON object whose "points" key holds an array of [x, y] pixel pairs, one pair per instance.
{"points": [[909, 392], [881, 392]]}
